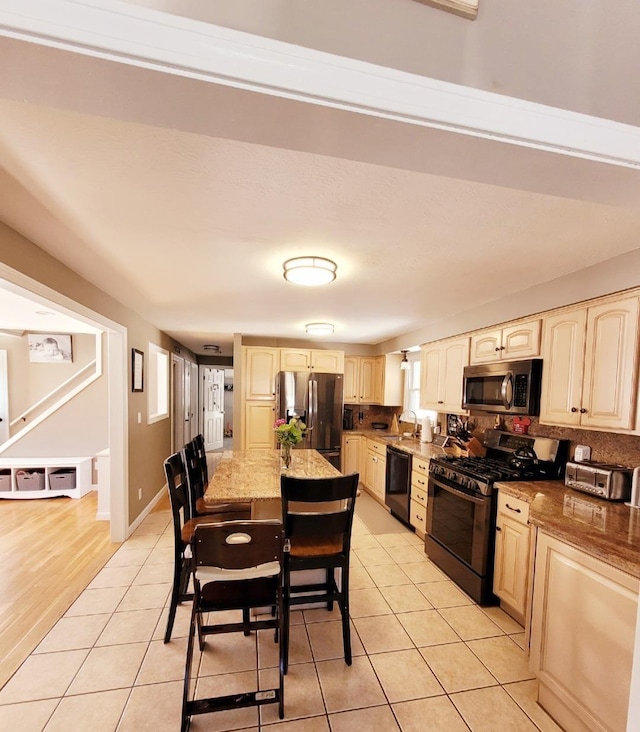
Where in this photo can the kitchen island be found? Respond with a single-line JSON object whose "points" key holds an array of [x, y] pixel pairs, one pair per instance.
{"points": [[255, 476]]}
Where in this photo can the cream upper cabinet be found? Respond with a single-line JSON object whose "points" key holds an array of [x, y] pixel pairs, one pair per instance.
{"points": [[388, 382], [583, 628], [301, 359], [512, 555], [513, 342], [260, 368], [590, 366], [360, 379], [442, 364]]}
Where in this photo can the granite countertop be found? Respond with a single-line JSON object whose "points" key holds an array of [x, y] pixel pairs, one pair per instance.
{"points": [[407, 444], [255, 475], [608, 530]]}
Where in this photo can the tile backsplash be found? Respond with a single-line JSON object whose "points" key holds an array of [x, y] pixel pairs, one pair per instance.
{"points": [[606, 447]]}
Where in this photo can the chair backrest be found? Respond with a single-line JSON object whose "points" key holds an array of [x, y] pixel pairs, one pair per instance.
{"points": [[195, 479], [198, 443], [317, 508], [237, 550], [178, 493]]}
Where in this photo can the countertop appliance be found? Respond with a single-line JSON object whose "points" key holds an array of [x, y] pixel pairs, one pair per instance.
{"points": [[461, 503], [317, 400], [397, 488], [611, 482], [510, 387]]}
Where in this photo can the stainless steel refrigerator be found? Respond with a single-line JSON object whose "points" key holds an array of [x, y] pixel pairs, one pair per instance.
{"points": [[317, 400]]}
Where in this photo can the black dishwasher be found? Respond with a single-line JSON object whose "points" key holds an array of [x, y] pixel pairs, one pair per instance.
{"points": [[397, 491]]}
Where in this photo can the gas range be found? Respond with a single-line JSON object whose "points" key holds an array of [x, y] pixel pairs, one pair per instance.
{"points": [[509, 457]]}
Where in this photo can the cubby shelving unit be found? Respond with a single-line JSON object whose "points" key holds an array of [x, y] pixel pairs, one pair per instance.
{"points": [[45, 477]]}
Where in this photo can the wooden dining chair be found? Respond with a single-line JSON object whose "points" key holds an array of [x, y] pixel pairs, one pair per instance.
{"points": [[183, 527], [317, 515], [196, 486], [237, 565]]}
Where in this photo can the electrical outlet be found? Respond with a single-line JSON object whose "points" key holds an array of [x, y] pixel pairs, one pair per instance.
{"points": [[139, 494]]}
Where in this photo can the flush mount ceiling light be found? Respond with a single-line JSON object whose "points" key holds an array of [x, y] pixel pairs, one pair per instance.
{"points": [[309, 271], [404, 364], [211, 347], [319, 328]]}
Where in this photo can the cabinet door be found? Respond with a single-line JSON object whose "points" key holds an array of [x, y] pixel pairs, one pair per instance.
{"points": [[378, 380], [456, 357], [486, 347], [260, 368], [258, 425], [380, 477], [563, 356], [611, 357], [582, 637], [351, 450], [511, 570], [295, 359], [521, 341], [327, 362], [431, 369], [351, 382], [367, 380]]}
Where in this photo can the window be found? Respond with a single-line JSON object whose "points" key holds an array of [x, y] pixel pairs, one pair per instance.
{"points": [[158, 403], [412, 389]]}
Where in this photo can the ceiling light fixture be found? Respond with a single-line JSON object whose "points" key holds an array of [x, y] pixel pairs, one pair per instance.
{"points": [[319, 328], [309, 271], [211, 347], [404, 364]]}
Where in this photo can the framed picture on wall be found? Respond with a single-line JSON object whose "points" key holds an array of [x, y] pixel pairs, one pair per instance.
{"points": [[49, 348], [137, 370]]}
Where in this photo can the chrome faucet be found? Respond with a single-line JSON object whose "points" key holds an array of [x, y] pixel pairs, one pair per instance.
{"points": [[415, 421]]}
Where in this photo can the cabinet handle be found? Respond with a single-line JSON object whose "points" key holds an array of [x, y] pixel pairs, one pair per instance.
{"points": [[421, 482], [583, 410], [440, 401], [498, 528], [511, 508], [496, 349], [502, 348], [419, 518], [574, 409]]}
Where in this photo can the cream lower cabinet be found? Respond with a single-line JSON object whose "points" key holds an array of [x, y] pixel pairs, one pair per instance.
{"points": [[418, 503], [582, 637], [512, 556], [258, 425], [442, 364], [353, 451], [375, 471], [590, 366]]}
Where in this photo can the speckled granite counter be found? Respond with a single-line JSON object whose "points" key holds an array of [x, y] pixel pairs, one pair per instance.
{"points": [[255, 475], [408, 444], [607, 530]]}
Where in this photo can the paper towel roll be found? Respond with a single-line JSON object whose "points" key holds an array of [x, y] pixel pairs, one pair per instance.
{"points": [[426, 430]]}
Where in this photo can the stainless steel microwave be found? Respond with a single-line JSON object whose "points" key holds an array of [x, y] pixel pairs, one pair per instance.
{"points": [[509, 387]]}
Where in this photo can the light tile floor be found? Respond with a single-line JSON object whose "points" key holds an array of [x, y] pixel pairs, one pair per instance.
{"points": [[425, 657]]}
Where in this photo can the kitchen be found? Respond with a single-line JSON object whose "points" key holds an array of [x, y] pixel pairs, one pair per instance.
{"points": [[512, 304]]}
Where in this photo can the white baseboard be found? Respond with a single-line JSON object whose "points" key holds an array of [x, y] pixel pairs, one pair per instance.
{"points": [[147, 509]]}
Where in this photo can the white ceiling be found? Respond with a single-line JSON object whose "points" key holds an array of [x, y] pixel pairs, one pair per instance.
{"points": [[182, 199]]}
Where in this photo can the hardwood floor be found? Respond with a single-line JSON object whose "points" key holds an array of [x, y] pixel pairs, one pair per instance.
{"points": [[50, 549]]}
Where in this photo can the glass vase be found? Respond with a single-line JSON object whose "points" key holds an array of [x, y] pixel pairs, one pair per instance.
{"points": [[285, 454]]}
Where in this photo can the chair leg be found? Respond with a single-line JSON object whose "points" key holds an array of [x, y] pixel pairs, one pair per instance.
{"points": [[175, 597], [195, 619], [286, 612], [246, 619], [282, 671], [330, 585], [344, 608]]}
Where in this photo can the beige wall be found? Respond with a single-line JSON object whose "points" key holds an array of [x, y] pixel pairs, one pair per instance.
{"points": [[148, 445]]}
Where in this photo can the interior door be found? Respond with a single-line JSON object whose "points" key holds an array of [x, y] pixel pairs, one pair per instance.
{"points": [[212, 407], [177, 402], [4, 399], [194, 401]]}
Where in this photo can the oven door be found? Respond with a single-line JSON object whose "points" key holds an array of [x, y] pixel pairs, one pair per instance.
{"points": [[461, 536]]}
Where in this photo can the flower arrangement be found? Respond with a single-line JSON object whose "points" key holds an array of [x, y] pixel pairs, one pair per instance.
{"points": [[291, 432]]}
